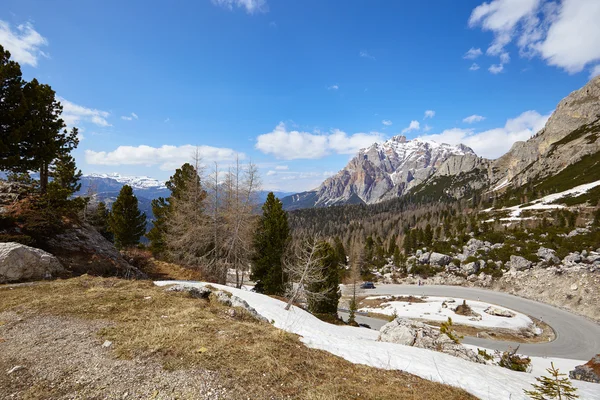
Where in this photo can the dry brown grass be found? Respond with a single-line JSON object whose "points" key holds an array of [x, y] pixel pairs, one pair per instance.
{"points": [[376, 303], [162, 270], [254, 360]]}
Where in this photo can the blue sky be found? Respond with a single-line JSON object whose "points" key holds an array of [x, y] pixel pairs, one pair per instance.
{"points": [[298, 86]]}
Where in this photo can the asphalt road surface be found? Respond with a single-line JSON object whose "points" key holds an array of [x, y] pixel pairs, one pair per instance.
{"points": [[577, 338]]}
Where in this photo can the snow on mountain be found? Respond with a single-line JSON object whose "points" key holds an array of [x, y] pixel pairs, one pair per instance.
{"points": [[380, 172], [136, 182]]}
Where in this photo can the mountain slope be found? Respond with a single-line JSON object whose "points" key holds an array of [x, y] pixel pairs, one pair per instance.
{"points": [[384, 171]]}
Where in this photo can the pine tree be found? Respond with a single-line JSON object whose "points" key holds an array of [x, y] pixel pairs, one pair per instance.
{"points": [[326, 302], [340, 252], [65, 174], [44, 139], [161, 207], [270, 242], [556, 386], [126, 221], [99, 220], [12, 111]]}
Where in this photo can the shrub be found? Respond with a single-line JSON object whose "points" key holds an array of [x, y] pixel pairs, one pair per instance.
{"points": [[446, 329], [511, 360], [138, 257]]}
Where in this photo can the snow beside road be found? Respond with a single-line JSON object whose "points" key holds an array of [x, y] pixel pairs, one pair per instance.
{"points": [[432, 310], [360, 346]]}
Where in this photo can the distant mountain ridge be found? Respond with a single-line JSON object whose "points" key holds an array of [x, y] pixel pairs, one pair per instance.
{"points": [[433, 171], [381, 172]]}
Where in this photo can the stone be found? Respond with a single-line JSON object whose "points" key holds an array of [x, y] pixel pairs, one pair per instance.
{"points": [[439, 259], [548, 255], [14, 369], [107, 344], [470, 268], [572, 259], [574, 287], [499, 312], [578, 231], [589, 372], [424, 258], [413, 333], [195, 292], [519, 263], [23, 263]]}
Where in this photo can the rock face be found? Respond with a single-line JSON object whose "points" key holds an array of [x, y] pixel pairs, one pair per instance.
{"points": [[23, 263], [383, 171], [82, 250], [519, 263], [413, 333], [589, 372]]}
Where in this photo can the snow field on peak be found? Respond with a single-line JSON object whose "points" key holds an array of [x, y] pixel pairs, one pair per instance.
{"points": [[360, 346]]}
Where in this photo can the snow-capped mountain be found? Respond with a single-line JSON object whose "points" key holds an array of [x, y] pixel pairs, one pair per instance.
{"points": [[380, 172], [136, 182]]}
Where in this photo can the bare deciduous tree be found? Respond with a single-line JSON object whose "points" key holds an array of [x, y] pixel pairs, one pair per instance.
{"points": [[305, 269]]}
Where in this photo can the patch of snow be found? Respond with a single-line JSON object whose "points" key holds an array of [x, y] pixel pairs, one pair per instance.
{"points": [[360, 346], [545, 202], [501, 185], [432, 310], [136, 182]]}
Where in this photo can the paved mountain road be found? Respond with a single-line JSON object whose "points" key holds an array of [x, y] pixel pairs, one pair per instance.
{"points": [[577, 338]]}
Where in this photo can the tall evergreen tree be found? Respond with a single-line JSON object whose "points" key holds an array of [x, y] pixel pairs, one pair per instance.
{"points": [[99, 220], [65, 174], [12, 111], [44, 138], [126, 221], [270, 243], [326, 302], [162, 208]]}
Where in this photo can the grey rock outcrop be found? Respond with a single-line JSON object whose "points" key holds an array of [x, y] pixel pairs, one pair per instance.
{"points": [[589, 372], [547, 255], [413, 333], [23, 263], [519, 263], [439, 259], [82, 250], [471, 268]]}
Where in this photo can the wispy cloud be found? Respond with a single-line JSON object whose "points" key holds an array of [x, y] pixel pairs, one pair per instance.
{"points": [[23, 43], [73, 114], [387, 122], [474, 67], [166, 157], [496, 68], [365, 54], [473, 118], [292, 145], [130, 117], [333, 87], [429, 114], [413, 126], [472, 54], [251, 6]]}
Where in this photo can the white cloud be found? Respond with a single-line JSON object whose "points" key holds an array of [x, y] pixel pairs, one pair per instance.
{"points": [[23, 43], [427, 128], [282, 168], [495, 142], [473, 118], [387, 122], [496, 68], [595, 71], [73, 114], [474, 67], [364, 54], [251, 6], [166, 157], [414, 126], [565, 34], [292, 145], [271, 173], [429, 114], [333, 87], [473, 53], [130, 117]]}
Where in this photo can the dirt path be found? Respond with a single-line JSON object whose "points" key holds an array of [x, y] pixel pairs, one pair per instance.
{"points": [[44, 357]]}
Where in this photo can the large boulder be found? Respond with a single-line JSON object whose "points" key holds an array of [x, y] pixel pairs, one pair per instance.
{"points": [[547, 255], [439, 259], [23, 263], [413, 333], [519, 263], [82, 250], [589, 372], [471, 268]]}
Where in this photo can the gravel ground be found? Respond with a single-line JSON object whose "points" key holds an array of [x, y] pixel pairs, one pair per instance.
{"points": [[44, 357]]}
